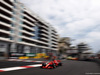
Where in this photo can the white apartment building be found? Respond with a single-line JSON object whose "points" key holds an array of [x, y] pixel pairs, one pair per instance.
{"points": [[22, 31]]}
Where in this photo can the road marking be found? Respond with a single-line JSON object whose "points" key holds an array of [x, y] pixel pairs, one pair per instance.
{"points": [[19, 68], [12, 68], [24, 60], [27, 66], [1, 71], [37, 65]]}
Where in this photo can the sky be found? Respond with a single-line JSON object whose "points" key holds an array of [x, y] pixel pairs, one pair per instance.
{"points": [[77, 19]]}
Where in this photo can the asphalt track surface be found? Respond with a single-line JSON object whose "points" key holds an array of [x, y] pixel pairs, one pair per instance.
{"points": [[5, 64], [69, 68]]}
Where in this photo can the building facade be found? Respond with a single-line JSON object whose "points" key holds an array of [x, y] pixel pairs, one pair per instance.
{"points": [[73, 51], [22, 31], [84, 51]]}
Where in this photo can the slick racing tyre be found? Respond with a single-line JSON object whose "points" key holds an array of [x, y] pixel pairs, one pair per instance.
{"points": [[54, 66], [43, 64], [60, 64]]}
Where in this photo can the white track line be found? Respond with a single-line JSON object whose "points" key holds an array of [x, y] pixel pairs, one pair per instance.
{"points": [[19, 68], [23, 60], [12, 68]]}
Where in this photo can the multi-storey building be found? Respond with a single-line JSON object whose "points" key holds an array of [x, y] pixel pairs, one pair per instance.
{"points": [[22, 31]]}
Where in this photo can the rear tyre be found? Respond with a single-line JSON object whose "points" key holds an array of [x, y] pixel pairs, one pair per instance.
{"points": [[43, 64], [40, 66], [60, 64]]}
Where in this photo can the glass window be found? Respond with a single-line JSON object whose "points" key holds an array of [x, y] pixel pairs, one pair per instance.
{"points": [[11, 38], [20, 40], [12, 25], [12, 31], [36, 32]]}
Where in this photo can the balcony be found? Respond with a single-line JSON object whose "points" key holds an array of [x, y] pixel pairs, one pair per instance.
{"points": [[25, 43], [54, 30], [5, 24], [4, 31], [55, 34], [43, 42], [6, 4], [6, 10], [55, 49], [55, 42], [44, 47], [54, 46], [30, 14], [6, 39], [44, 31], [28, 27], [29, 17], [24, 31], [44, 35], [41, 21], [44, 39], [28, 22], [44, 27], [28, 38], [53, 39], [8, 18]]}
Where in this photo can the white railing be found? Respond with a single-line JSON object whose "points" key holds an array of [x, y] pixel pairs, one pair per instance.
{"points": [[44, 35], [4, 31], [28, 27], [1, 15], [29, 17], [28, 22], [6, 39], [25, 43], [27, 32], [6, 10], [5, 24], [6, 4], [44, 39]]}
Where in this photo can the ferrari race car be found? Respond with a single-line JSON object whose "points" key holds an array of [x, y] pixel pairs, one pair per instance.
{"points": [[51, 64]]}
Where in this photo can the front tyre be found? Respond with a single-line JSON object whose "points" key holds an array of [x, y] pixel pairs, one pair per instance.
{"points": [[54, 66]]}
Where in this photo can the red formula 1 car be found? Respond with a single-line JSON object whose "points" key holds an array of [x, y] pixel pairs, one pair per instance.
{"points": [[51, 64], [57, 62]]}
